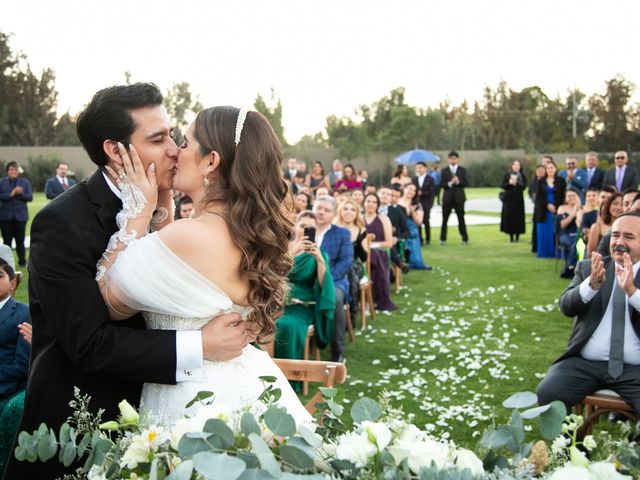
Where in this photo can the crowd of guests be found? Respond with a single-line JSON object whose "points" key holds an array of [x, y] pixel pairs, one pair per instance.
{"points": [[574, 208], [348, 234]]}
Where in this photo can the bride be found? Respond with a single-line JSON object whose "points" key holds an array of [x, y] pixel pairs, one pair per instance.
{"points": [[231, 257]]}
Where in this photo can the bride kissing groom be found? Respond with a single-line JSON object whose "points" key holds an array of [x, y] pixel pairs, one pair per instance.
{"points": [[167, 313]]}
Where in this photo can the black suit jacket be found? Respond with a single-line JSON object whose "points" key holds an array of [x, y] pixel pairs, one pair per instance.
{"points": [[597, 180], [426, 193], [540, 202], [589, 315], [454, 194], [74, 343], [629, 180]]}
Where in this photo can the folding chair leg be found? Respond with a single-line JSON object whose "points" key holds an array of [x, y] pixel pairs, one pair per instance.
{"points": [[372, 308]]}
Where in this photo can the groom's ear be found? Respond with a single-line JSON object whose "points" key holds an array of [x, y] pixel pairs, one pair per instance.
{"points": [[110, 148]]}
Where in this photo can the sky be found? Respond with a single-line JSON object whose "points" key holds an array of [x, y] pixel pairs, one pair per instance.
{"points": [[326, 57]]}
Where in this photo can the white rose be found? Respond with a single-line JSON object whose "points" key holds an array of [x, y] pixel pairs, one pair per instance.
{"points": [[589, 442], [379, 434], [467, 459], [356, 448], [578, 458], [96, 473], [410, 433], [207, 412], [137, 452], [571, 472], [182, 426], [420, 453], [606, 471]]}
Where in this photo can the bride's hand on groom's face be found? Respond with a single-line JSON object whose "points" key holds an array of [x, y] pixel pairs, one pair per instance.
{"points": [[133, 172], [224, 337]]}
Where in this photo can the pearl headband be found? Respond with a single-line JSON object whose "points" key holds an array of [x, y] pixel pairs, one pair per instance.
{"points": [[242, 116]]}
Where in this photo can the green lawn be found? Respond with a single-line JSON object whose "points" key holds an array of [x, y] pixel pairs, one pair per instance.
{"points": [[483, 325]]}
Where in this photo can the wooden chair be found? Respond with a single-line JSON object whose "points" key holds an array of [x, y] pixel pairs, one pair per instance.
{"points": [[348, 325], [366, 292], [327, 373], [309, 347], [398, 274], [603, 402]]}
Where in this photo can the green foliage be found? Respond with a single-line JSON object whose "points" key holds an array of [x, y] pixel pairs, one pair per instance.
{"points": [[272, 110], [39, 169], [181, 107]]}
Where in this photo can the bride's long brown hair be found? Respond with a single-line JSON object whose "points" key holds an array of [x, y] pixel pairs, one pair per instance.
{"points": [[248, 183]]}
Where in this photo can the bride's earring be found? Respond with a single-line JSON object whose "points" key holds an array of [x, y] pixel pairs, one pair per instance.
{"points": [[206, 180]]}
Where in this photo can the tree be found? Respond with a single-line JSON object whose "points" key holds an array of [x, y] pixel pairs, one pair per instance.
{"points": [[349, 138], [273, 113], [181, 104], [28, 103], [65, 131], [612, 116]]}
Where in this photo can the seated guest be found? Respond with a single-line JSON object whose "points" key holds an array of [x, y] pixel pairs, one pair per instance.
{"points": [[358, 197], [400, 177], [311, 298], [370, 188], [322, 191], [363, 178], [567, 219], [349, 217], [409, 203], [380, 227], [604, 348], [186, 208], [335, 241], [302, 202], [589, 212], [349, 180], [316, 178], [297, 182], [628, 204], [609, 211], [14, 361], [398, 218]]}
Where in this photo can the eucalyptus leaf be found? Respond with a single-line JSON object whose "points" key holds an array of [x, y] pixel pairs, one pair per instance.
{"points": [[551, 420], [218, 465], [365, 409], [68, 454], [300, 443], [250, 459], [503, 436], [279, 421], [84, 443], [255, 474], [101, 450], [268, 379], [223, 435], [153, 469], [65, 433], [265, 455], [20, 453], [335, 408], [518, 427], [292, 476], [520, 400], [183, 472], [328, 392], [188, 446], [312, 438], [249, 425], [535, 411], [296, 457], [47, 446], [200, 396]]}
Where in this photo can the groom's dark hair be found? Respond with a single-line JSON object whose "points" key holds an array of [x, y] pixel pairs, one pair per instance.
{"points": [[108, 116]]}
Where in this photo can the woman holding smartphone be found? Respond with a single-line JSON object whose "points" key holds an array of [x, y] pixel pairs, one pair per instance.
{"points": [[311, 299]]}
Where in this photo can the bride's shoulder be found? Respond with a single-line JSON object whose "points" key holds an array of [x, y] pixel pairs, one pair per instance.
{"points": [[187, 236]]}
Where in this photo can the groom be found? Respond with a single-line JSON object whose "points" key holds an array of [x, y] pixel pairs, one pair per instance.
{"points": [[74, 343]]}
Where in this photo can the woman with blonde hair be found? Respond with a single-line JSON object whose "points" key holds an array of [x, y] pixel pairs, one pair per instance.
{"points": [[350, 217]]}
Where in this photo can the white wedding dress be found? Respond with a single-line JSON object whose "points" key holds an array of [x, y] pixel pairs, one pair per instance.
{"points": [[150, 277]]}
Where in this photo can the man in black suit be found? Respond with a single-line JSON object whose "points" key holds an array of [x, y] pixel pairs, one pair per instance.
{"points": [[622, 176], [604, 348], [58, 184], [74, 343], [426, 188], [453, 180], [595, 175], [15, 192]]}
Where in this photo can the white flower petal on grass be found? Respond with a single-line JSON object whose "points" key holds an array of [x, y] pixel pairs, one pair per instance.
{"points": [[467, 459]]}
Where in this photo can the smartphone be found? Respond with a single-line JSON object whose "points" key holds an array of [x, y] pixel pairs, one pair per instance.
{"points": [[310, 233]]}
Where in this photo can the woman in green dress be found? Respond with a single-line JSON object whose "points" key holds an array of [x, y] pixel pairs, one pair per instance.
{"points": [[311, 297]]}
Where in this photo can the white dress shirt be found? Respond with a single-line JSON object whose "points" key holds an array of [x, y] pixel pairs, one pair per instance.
{"points": [[188, 343], [4, 302], [454, 169], [597, 348], [421, 179]]}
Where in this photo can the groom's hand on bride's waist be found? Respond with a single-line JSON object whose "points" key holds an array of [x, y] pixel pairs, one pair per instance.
{"points": [[224, 337]]}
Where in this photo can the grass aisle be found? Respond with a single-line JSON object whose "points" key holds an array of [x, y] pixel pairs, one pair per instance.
{"points": [[483, 325]]}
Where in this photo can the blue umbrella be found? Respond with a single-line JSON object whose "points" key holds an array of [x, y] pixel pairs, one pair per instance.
{"points": [[417, 155]]}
